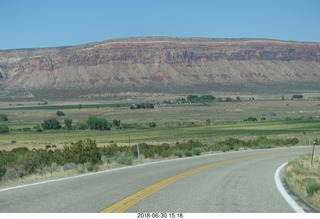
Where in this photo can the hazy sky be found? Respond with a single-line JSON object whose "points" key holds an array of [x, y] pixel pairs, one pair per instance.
{"points": [[49, 23]]}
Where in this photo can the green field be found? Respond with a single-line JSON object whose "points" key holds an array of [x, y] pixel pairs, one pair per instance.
{"points": [[207, 123]]}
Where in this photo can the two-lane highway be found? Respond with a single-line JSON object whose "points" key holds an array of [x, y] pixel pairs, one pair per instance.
{"points": [[223, 182]]}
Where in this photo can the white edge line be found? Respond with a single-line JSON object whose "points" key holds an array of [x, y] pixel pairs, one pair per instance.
{"points": [[284, 193]]}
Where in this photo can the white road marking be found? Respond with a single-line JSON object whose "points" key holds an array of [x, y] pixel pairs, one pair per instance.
{"points": [[284, 193]]}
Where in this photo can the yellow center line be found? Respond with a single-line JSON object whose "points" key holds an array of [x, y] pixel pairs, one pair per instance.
{"points": [[131, 200]]}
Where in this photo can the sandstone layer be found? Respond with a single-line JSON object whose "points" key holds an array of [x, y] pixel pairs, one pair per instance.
{"points": [[160, 64]]}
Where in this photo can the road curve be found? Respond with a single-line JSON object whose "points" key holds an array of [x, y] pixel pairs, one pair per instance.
{"points": [[223, 182]]}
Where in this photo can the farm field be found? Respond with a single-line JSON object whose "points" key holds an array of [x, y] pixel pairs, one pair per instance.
{"points": [[205, 122]]}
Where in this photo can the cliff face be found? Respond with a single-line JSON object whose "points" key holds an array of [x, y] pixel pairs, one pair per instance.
{"points": [[162, 64]]}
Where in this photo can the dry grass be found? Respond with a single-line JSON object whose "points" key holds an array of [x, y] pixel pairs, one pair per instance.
{"points": [[304, 178]]}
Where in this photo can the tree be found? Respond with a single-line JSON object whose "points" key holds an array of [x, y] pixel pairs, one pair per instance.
{"points": [[37, 128], [228, 99], [207, 98], [98, 123], [51, 124], [116, 123], [4, 128], [297, 96], [60, 113], [68, 123], [3, 117], [193, 98]]}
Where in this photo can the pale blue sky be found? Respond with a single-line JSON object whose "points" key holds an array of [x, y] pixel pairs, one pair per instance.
{"points": [[50, 23]]}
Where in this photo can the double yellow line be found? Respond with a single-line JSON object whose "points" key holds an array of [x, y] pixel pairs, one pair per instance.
{"points": [[131, 200]]}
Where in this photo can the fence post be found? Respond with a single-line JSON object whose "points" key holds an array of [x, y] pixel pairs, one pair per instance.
{"points": [[314, 144], [138, 152]]}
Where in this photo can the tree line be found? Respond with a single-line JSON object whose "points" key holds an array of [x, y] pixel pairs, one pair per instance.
{"points": [[93, 123]]}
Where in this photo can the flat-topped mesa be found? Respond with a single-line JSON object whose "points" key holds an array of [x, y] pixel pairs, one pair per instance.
{"points": [[162, 64]]}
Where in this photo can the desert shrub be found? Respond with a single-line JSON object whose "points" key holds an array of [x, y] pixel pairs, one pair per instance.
{"points": [[225, 148], [188, 153], [312, 187], [196, 151], [152, 124], [37, 128], [15, 172], [82, 152], [26, 129], [164, 150], [148, 151], [260, 142], [232, 142], [106, 159], [54, 167], [124, 158], [69, 166], [111, 150], [251, 119], [189, 145], [91, 167], [60, 113], [166, 153], [178, 153], [236, 148]]}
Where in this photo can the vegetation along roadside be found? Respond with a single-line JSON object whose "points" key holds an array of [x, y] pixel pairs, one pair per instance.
{"points": [[304, 178], [84, 155]]}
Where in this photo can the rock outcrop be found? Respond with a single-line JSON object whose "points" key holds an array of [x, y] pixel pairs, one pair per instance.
{"points": [[162, 65]]}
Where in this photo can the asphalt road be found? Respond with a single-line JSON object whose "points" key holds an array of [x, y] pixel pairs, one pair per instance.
{"points": [[224, 182]]}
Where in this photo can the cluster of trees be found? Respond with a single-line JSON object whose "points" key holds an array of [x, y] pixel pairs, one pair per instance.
{"points": [[210, 99], [297, 96], [142, 106], [201, 99], [94, 123]]}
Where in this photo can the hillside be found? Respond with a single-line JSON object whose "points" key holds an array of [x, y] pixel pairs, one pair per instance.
{"points": [[160, 64]]}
